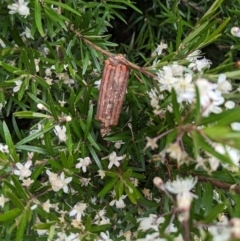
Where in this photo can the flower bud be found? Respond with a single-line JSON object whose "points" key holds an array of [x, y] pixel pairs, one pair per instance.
{"points": [[158, 182], [235, 31]]}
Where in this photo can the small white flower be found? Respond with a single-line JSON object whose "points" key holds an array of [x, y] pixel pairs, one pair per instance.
{"points": [[47, 205], [152, 237], [119, 203], [60, 133], [229, 104], [3, 200], [210, 97], [20, 7], [151, 142], [85, 181], [105, 236], [65, 182], [27, 182], [101, 173], [33, 207], [200, 64], [58, 182], [235, 31], [118, 144], [151, 222], [97, 83], [62, 236], [185, 89], [23, 170], [4, 148], [192, 57], [78, 210], [27, 33], [114, 159], [36, 62], [160, 48], [181, 185], [166, 78], [177, 153], [3, 45], [235, 126], [83, 163], [223, 84], [18, 85]]}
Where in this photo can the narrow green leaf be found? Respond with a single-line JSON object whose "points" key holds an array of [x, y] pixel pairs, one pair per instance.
{"points": [[23, 88], [38, 17], [44, 226], [48, 143], [9, 142], [17, 202], [211, 10], [119, 189], [108, 187], [99, 228], [207, 197], [20, 190], [52, 106], [89, 121], [128, 173], [176, 107], [218, 208], [22, 225], [130, 195], [85, 62], [11, 215], [34, 136], [30, 115], [196, 32], [64, 6]]}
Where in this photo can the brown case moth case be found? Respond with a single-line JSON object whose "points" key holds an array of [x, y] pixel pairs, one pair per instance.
{"points": [[112, 92]]}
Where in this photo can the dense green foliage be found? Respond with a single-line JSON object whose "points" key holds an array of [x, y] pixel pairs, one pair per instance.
{"points": [[60, 180]]}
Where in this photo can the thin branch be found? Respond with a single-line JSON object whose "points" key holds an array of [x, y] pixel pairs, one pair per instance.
{"points": [[123, 60], [193, 5], [222, 185]]}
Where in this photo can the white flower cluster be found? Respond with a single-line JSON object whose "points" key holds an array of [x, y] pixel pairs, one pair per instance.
{"points": [[59, 182], [181, 79], [19, 7], [181, 188]]}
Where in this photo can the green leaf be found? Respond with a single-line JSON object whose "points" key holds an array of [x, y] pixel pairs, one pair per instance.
{"points": [[10, 215], [99, 228], [17, 202], [22, 225], [130, 195], [218, 208], [95, 157], [128, 173], [119, 189], [196, 33], [35, 135], [225, 118], [85, 62], [207, 198], [176, 107], [108, 187], [211, 10], [20, 190], [9, 142], [89, 121], [64, 6], [52, 106], [30, 115], [43, 226], [38, 17]]}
